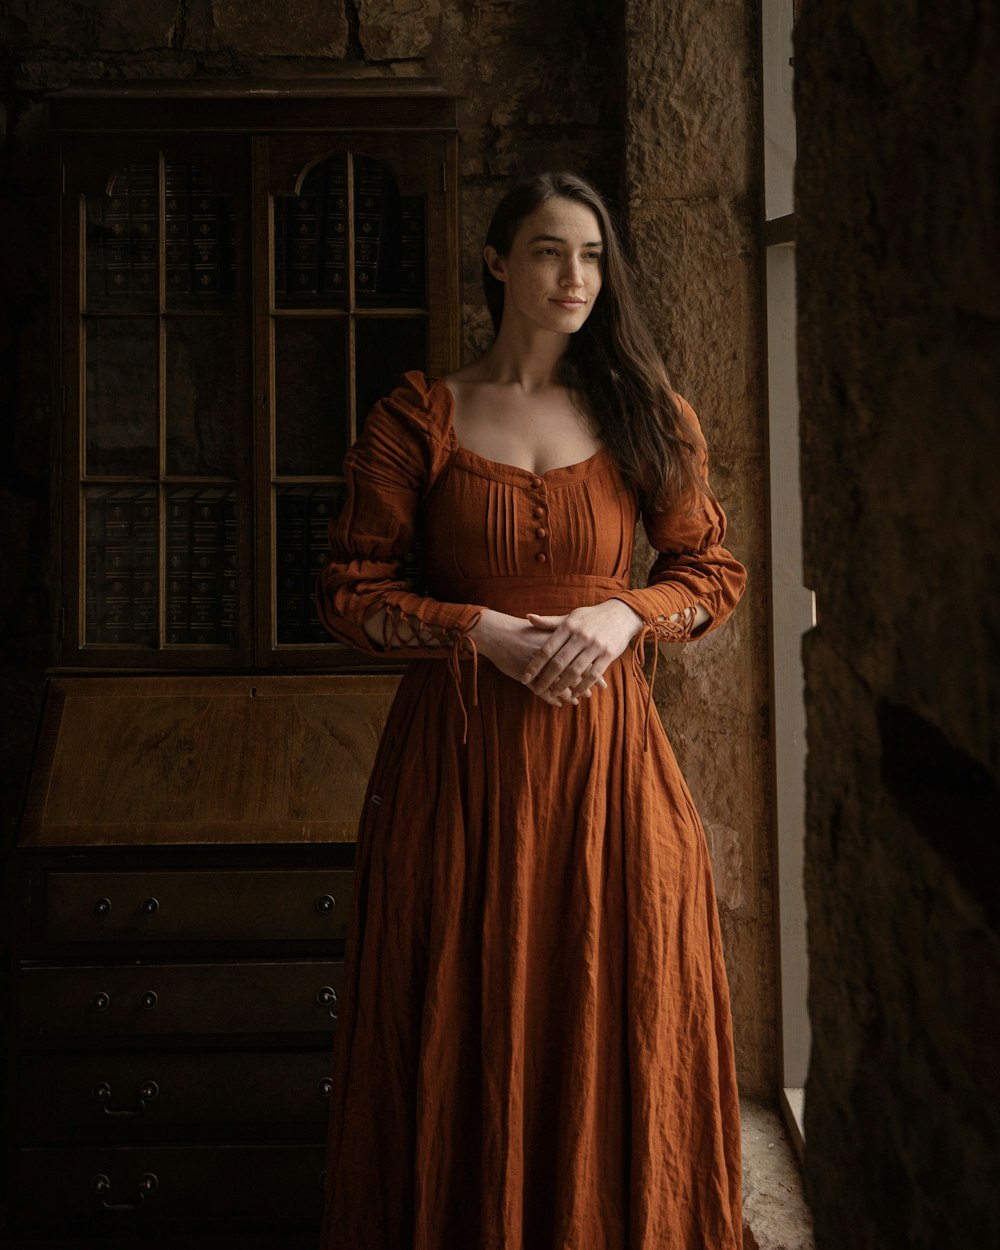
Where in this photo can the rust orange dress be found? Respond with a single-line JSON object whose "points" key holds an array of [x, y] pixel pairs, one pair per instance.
{"points": [[534, 1050]]}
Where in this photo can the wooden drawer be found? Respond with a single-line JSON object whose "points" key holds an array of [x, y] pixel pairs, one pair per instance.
{"points": [[114, 906], [154, 1000], [162, 1186], [114, 1097]]}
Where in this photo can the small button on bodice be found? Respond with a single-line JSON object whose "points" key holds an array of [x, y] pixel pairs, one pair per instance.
{"points": [[541, 532], [536, 482], [539, 511], [541, 557]]}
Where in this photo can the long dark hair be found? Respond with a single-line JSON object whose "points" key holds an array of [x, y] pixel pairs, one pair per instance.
{"points": [[612, 358]]}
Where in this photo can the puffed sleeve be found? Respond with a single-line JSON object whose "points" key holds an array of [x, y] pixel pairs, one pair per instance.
{"points": [[692, 566], [387, 472]]}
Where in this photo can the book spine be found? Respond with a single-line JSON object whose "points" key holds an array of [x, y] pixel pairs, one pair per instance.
{"points": [[206, 221], [177, 226], [369, 218], [303, 271], [178, 550], [412, 247], [325, 504], [281, 224], [142, 222], [291, 566], [229, 617], [120, 590]]}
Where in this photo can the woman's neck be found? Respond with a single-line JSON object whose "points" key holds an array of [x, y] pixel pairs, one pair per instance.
{"points": [[527, 358]]}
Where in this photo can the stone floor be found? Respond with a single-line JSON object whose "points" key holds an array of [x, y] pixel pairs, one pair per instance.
{"points": [[775, 1215]]}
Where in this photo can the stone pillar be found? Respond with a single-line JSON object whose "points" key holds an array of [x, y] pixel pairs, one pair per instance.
{"points": [[691, 187], [899, 351]]}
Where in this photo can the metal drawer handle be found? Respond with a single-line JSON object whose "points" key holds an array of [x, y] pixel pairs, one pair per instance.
{"points": [[325, 904], [327, 997], [100, 1001], [102, 906], [148, 1000], [101, 1185], [325, 1087], [149, 906], [147, 1092]]}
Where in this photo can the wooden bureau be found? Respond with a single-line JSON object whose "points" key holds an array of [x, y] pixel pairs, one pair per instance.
{"points": [[177, 953], [241, 268]]}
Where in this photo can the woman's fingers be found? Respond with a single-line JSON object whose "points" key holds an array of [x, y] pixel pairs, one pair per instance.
{"points": [[551, 625], [545, 622], [574, 669]]}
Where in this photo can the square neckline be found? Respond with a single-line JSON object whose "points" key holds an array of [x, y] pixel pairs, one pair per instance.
{"points": [[575, 469]]}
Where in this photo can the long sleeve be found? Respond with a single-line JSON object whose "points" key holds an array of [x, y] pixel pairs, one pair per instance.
{"points": [[692, 566], [388, 471]]}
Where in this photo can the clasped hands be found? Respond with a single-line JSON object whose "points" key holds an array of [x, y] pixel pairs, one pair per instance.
{"points": [[561, 658]]}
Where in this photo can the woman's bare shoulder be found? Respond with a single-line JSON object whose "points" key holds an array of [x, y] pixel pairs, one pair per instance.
{"points": [[468, 377]]}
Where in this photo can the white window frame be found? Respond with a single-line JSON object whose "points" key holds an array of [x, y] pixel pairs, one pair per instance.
{"points": [[792, 605]]}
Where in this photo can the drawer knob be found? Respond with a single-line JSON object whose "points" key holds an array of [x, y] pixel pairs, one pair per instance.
{"points": [[147, 1092], [327, 997], [325, 1087], [148, 1000], [102, 906], [321, 1179], [100, 1001], [101, 1185], [149, 906], [325, 904]]}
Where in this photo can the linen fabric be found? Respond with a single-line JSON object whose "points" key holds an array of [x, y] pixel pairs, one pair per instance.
{"points": [[534, 1049]]}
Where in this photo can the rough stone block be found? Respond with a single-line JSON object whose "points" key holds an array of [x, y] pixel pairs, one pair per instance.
{"points": [[112, 25], [315, 28], [691, 102], [397, 28]]}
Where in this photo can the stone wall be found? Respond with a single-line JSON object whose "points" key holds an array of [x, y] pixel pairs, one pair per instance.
{"points": [[899, 350], [692, 187], [542, 86]]}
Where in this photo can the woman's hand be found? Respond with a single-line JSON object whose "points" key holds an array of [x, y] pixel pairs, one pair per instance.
{"points": [[512, 643], [578, 648]]}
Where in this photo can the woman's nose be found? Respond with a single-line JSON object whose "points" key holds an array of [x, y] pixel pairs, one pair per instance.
{"points": [[572, 274]]}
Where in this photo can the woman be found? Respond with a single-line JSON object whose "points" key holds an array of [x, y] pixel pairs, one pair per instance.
{"points": [[535, 1046]]}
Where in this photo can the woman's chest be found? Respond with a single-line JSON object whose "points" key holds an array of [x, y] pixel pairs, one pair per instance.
{"points": [[485, 519]]}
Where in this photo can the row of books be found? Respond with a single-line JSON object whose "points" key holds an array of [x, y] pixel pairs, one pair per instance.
{"points": [[201, 571], [123, 237], [302, 519], [121, 567], [310, 244], [121, 592], [200, 255], [201, 581]]}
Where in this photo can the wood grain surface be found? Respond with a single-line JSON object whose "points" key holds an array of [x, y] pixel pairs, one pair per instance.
{"points": [[165, 760]]}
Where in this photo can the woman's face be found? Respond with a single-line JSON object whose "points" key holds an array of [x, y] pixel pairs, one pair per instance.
{"points": [[552, 273]]}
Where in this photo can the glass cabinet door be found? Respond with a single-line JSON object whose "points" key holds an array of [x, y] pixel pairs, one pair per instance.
{"points": [[234, 300], [349, 312], [158, 453]]}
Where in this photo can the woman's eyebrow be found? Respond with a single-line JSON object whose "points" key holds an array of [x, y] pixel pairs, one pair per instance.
{"points": [[554, 238]]}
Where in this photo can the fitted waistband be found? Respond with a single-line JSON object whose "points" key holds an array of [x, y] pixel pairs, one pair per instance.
{"points": [[549, 596]]}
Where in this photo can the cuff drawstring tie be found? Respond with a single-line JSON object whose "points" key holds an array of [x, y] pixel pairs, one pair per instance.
{"points": [[419, 633], [462, 642], [657, 631]]}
